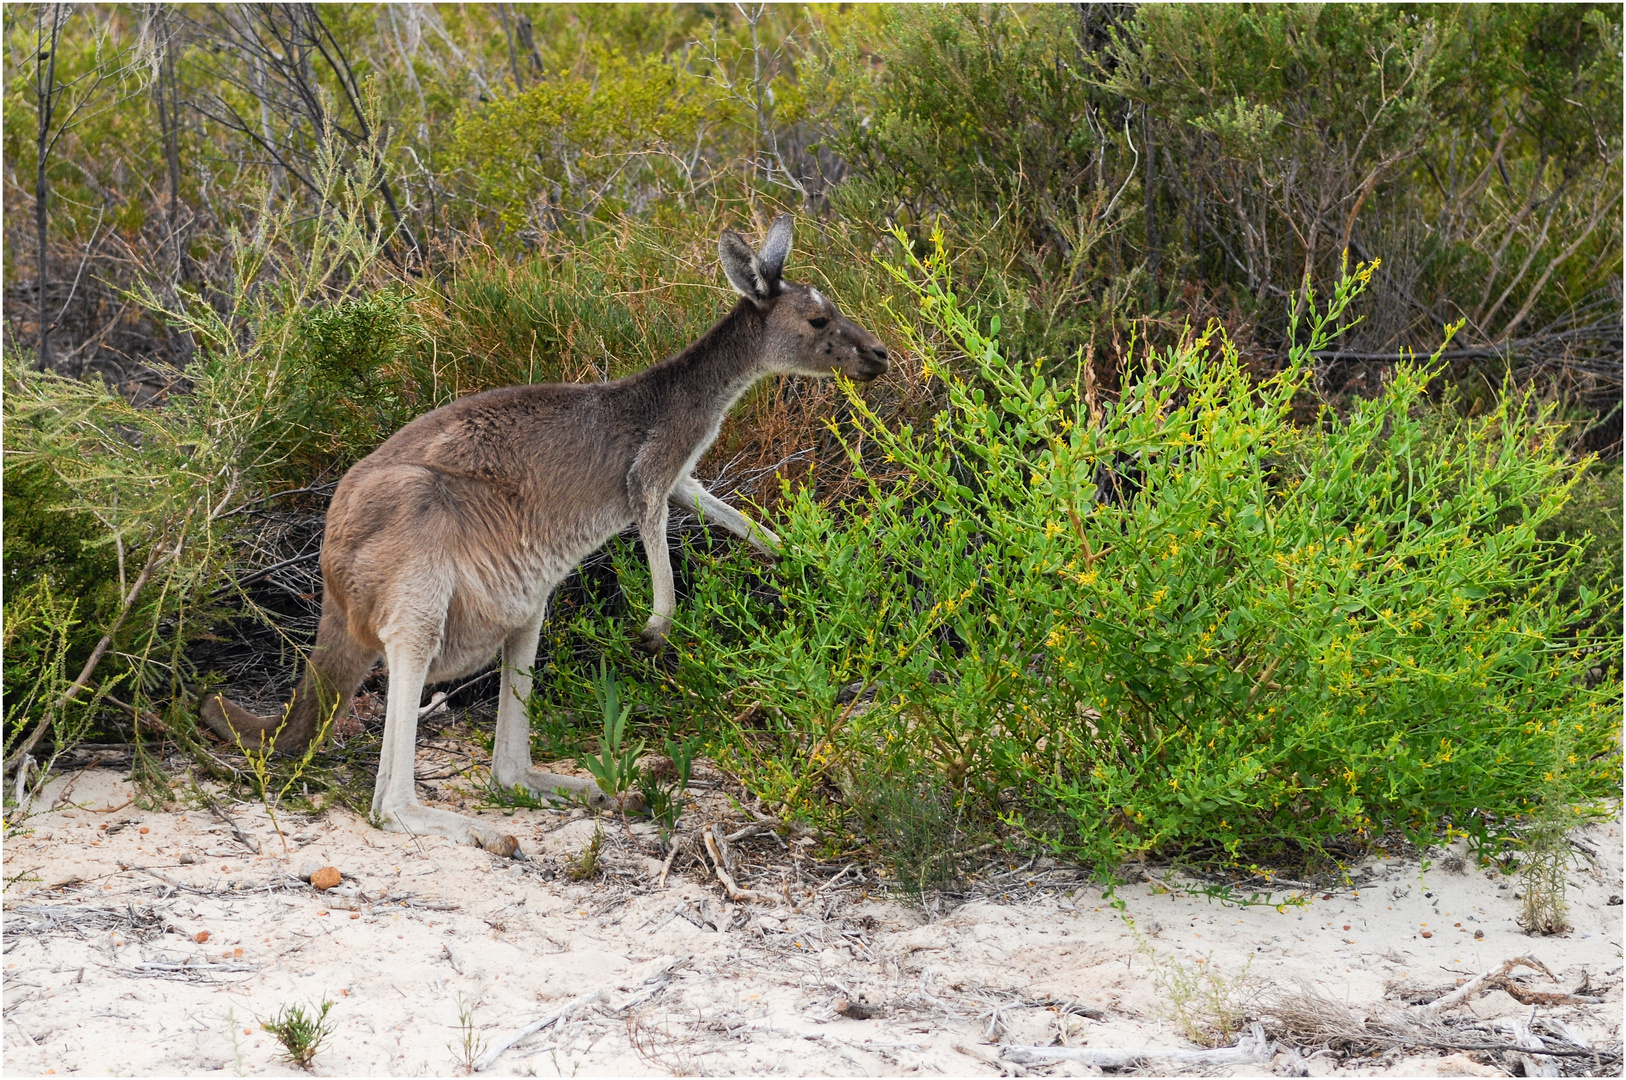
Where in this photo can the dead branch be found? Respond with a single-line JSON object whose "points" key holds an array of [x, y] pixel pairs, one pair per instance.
{"points": [[734, 891], [489, 1058], [1250, 1048], [237, 830]]}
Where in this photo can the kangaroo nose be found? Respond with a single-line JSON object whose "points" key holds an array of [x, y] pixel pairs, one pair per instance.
{"points": [[880, 352]]}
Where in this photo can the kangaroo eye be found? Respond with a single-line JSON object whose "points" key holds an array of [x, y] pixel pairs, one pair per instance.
{"points": [[819, 323]]}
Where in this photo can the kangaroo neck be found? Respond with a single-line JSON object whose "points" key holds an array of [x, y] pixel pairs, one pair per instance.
{"points": [[711, 374]]}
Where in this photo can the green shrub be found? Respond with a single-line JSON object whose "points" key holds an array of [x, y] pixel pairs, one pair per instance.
{"points": [[1593, 514], [1175, 621], [52, 547], [347, 396], [39, 629]]}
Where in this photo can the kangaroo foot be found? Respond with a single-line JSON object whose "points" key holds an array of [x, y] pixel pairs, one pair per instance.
{"points": [[564, 789], [426, 820]]}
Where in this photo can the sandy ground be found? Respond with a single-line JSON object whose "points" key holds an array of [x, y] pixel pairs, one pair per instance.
{"points": [[105, 971]]}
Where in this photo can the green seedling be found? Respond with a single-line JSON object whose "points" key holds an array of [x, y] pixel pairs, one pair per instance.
{"points": [[615, 766], [665, 800], [470, 1046], [300, 1033], [1204, 1001], [264, 772], [585, 865]]}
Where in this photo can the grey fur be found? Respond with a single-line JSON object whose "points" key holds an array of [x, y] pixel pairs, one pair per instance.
{"points": [[444, 544]]}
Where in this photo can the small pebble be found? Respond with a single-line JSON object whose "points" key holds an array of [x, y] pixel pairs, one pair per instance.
{"points": [[201, 936], [187, 859], [326, 877], [1428, 933]]}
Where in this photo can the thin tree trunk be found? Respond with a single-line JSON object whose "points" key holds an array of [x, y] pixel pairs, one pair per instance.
{"points": [[169, 122], [513, 57], [316, 31], [527, 41], [45, 94], [1154, 253]]}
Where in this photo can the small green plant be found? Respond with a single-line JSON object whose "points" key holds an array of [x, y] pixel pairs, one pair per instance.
{"points": [[470, 1046], [585, 865], [1205, 1003], [266, 774], [301, 1033], [663, 795], [239, 1068], [1541, 876], [615, 766], [1546, 855], [914, 822]]}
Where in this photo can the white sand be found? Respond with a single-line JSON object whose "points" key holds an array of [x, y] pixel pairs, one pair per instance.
{"points": [[420, 925]]}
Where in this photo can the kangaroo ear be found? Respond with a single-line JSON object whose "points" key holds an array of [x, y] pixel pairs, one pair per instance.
{"points": [[775, 248], [741, 265]]}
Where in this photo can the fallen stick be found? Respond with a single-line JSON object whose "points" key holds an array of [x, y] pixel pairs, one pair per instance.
{"points": [[844, 872], [666, 867], [236, 829], [1475, 984], [1524, 1039], [1250, 1048], [734, 891], [489, 1058]]}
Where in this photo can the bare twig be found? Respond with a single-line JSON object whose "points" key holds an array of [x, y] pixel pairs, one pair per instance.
{"points": [[1253, 1047], [1479, 982], [489, 1058], [734, 891], [666, 868], [236, 829]]}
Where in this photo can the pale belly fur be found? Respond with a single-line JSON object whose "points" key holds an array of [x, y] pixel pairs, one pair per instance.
{"points": [[491, 603]]}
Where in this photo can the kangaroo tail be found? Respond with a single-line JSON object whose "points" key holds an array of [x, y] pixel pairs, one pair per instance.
{"points": [[336, 668]]}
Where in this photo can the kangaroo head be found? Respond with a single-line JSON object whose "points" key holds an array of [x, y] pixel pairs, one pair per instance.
{"points": [[806, 334]]}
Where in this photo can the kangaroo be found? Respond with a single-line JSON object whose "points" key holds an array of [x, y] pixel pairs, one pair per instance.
{"points": [[443, 545]]}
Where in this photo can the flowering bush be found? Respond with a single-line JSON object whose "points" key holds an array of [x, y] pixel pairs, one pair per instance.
{"points": [[1178, 620]]}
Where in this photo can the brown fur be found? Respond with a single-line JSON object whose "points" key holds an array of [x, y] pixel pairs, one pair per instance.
{"points": [[443, 545]]}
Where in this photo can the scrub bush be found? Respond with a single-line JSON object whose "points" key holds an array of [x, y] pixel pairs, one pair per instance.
{"points": [[1178, 621]]}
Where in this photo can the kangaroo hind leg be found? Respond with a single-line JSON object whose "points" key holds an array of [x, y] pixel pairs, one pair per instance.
{"points": [[511, 750], [395, 795]]}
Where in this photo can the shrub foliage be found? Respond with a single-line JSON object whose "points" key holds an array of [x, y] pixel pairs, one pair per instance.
{"points": [[1177, 620]]}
